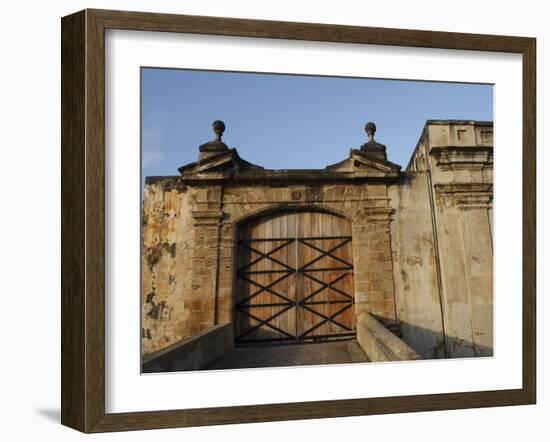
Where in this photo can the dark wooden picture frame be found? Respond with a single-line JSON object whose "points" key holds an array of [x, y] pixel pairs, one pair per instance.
{"points": [[83, 220]]}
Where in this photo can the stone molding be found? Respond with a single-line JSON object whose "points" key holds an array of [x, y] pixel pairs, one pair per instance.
{"points": [[463, 157], [207, 217], [228, 166], [465, 196], [374, 214]]}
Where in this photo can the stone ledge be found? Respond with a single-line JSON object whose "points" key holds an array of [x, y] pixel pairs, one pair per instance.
{"points": [[193, 353], [374, 214], [207, 217], [379, 343], [463, 157], [465, 195]]}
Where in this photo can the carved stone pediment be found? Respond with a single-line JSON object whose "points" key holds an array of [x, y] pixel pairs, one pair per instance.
{"points": [[229, 166], [361, 162], [218, 166], [218, 163]]}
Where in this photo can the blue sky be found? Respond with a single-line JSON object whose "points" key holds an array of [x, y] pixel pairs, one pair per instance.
{"points": [[289, 121]]}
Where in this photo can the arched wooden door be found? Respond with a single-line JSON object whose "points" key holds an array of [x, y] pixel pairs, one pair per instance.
{"points": [[294, 279]]}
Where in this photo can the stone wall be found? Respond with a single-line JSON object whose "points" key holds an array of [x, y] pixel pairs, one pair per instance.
{"points": [[418, 298], [452, 166], [166, 267], [193, 353], [189, 242]]}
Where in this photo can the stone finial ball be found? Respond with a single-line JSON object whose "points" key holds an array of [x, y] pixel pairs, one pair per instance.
{"points": [[218, 126], [370, 128]]}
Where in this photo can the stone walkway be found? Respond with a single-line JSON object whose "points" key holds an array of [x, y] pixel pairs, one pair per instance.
{"points": [[289, 355]]}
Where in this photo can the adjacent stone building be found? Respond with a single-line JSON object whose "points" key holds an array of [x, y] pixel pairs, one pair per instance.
{"points": [[307, 255]]}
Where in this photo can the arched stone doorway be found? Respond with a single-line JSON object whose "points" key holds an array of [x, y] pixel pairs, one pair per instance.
{"points": [[294, 279]]}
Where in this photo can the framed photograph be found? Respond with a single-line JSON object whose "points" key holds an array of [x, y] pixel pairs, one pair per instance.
{"points": [[269, 220]]}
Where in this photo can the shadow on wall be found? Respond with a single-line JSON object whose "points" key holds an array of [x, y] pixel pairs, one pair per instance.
{"points": [[439, 344]]}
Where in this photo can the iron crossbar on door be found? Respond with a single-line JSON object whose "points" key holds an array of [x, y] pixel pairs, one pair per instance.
{"points": [[286, 302]]}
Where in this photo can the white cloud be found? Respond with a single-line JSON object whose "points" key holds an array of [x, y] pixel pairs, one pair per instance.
{"points": [[149, 157], [151, 139]]}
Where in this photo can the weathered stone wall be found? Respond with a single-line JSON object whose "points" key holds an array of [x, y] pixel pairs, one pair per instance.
{"points": [[189, 244], [417, 291], [456, 157], [166, 301]]}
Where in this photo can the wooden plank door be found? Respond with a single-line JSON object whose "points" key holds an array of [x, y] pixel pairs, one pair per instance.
{"points": [[294, 279], [324, 282]]}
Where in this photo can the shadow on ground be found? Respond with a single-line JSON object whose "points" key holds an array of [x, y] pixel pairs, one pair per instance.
{"points": [[291, 355]]}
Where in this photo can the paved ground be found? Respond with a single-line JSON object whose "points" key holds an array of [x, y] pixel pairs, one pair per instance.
{"points": [[287, 355]]}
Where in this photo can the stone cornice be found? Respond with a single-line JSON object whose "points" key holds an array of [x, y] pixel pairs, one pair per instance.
{"points": [[228, 167], [463, 157], [207, 217], [465, 196], [373, 214]]}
